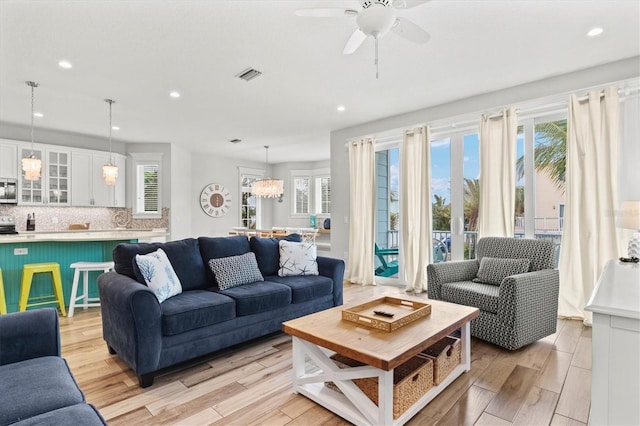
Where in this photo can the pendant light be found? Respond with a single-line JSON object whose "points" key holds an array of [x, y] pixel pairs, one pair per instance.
{"points": [[31, 165], [109, 170], [268, 188]]}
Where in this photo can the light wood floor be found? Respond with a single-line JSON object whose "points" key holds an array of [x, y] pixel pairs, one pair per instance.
{"points": [[548, 382]]}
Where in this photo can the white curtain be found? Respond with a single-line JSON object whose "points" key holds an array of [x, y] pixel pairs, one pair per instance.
{"points": [[361, 211], [497, 174], [415, 207], [589, 237]]}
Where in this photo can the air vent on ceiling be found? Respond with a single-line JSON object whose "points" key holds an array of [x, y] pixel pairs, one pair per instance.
{"points": [[249, 74], [235, 140]]}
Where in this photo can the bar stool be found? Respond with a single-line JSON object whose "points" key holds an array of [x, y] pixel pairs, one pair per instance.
{"points": [[3, 300], [28, 271], [85, 268]]}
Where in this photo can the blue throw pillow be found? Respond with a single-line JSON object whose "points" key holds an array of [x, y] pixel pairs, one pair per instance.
{"points": [[267, 252], [159, 275], [234, 271]]}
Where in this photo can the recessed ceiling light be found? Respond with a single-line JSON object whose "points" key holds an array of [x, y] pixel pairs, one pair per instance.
{"points": [[115, 128], [38, 114], [341, 108], [65, 64], [174, 94], [595, 31]]}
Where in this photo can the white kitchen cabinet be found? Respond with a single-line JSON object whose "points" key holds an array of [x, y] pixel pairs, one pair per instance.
{"points": [[54, 185], [9, 161], [615, 371], [88, 186]]}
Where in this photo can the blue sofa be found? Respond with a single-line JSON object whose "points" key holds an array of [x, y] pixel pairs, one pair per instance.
{"points": [[37, 386], [149, 335]]}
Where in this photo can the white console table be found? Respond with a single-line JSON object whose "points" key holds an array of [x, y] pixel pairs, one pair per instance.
{"points": [[615, 383]]}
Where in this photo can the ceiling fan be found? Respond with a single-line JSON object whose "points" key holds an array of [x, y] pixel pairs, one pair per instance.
{"points": [[376, 19]]}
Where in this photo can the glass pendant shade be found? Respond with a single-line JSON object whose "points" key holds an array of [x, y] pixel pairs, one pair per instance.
{"points": [[109, 170], [268, 188], [110, 173], [31, 167]]}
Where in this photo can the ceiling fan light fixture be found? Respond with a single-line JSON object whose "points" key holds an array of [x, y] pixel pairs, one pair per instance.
{"points": [[376, 20]]}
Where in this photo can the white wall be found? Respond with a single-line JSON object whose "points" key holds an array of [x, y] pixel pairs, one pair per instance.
{"points": [[488, 102], [181, 189]]}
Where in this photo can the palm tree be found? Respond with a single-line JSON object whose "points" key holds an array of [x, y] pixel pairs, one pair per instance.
{"points": [[471, 202], [441, 214], [550, 153]]}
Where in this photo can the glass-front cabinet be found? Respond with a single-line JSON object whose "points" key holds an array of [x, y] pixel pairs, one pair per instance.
{"points": [[53, 185]]}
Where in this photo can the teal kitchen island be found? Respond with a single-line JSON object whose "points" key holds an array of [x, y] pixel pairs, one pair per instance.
{"points": [[64, 248]]}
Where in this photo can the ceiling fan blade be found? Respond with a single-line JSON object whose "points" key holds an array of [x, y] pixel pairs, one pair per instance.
{"points": [[408, 4], [407, 29], [354, 42], [324, 12]]}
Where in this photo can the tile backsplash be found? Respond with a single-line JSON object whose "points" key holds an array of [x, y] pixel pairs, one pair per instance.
{"points": [[59, 218]]}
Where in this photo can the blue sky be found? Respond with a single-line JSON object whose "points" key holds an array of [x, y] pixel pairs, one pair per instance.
{"points": [[441, 163]]}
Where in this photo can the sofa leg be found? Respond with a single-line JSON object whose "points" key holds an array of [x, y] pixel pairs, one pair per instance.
{"points": [[145, 380], [111, 350]]}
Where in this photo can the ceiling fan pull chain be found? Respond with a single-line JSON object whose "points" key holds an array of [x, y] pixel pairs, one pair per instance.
{"points": [[376, 62]]}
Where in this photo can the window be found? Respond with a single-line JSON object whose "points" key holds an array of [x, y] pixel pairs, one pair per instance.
{"points": [[301, 197], [249, 204], [310, 192], [148, 200]]}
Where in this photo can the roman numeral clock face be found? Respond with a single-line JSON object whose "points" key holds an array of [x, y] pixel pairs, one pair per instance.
{"points": [[215, 200]]}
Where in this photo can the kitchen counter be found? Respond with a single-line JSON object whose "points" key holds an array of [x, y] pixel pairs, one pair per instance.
{"points": [[84, 235]]}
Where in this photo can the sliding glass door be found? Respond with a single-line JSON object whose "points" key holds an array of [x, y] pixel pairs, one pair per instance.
{"points": [[387, 224]]}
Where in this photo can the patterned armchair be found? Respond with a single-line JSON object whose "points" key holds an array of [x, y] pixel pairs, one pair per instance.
{"points": [[512, 282]]}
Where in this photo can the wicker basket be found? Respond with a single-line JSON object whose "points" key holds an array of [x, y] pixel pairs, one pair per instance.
{"points": [[446, 357], [411, 381]]}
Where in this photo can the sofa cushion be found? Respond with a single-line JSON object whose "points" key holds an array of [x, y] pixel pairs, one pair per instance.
{"points": [[297, 259], [268, 252], [259, 297], [22, 398], [194, 309], [233, 271], [481, 296], [216, 247], [184, 256], [493, 270], [158, 274], [305, 288], [79, 414]]}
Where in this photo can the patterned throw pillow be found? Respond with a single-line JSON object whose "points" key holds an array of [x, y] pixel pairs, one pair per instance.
{"points": [[493, 270], [297, 259], [159, 274], [234, 271]]}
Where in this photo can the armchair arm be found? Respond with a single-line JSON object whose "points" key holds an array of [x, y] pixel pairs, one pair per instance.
{"points": [[29, 334], [529, 295], [447, 272], [131, 321], [334, 269]]}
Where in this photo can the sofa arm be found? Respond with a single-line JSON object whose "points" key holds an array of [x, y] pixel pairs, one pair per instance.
{"points": [[29, 334], [333, 268], [448, 272], [530, 295], [131, 321]]}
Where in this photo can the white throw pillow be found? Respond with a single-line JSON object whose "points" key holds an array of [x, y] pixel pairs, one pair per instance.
{"points": [[159, 275], [297, 259]]}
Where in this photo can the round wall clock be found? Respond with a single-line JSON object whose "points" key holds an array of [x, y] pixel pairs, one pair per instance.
{"points": [[215, 200]]}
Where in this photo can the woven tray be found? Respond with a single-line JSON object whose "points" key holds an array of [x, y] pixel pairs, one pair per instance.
{"points": [[446, 357], [411, 381], [405, 312]]}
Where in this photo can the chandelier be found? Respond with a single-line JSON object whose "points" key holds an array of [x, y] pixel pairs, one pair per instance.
{"points": [[31, 165], [268, 188], [109, 170]]}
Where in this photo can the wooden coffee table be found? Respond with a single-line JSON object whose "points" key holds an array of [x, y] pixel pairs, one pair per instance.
{"points": [[318, 336]]}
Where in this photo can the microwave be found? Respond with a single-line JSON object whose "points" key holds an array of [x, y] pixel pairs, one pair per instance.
{"points": [[8, 191]]}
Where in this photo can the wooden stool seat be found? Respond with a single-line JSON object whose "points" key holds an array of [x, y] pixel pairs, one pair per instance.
{"points": [[3, 300], [28, 271], [85, 268]]}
